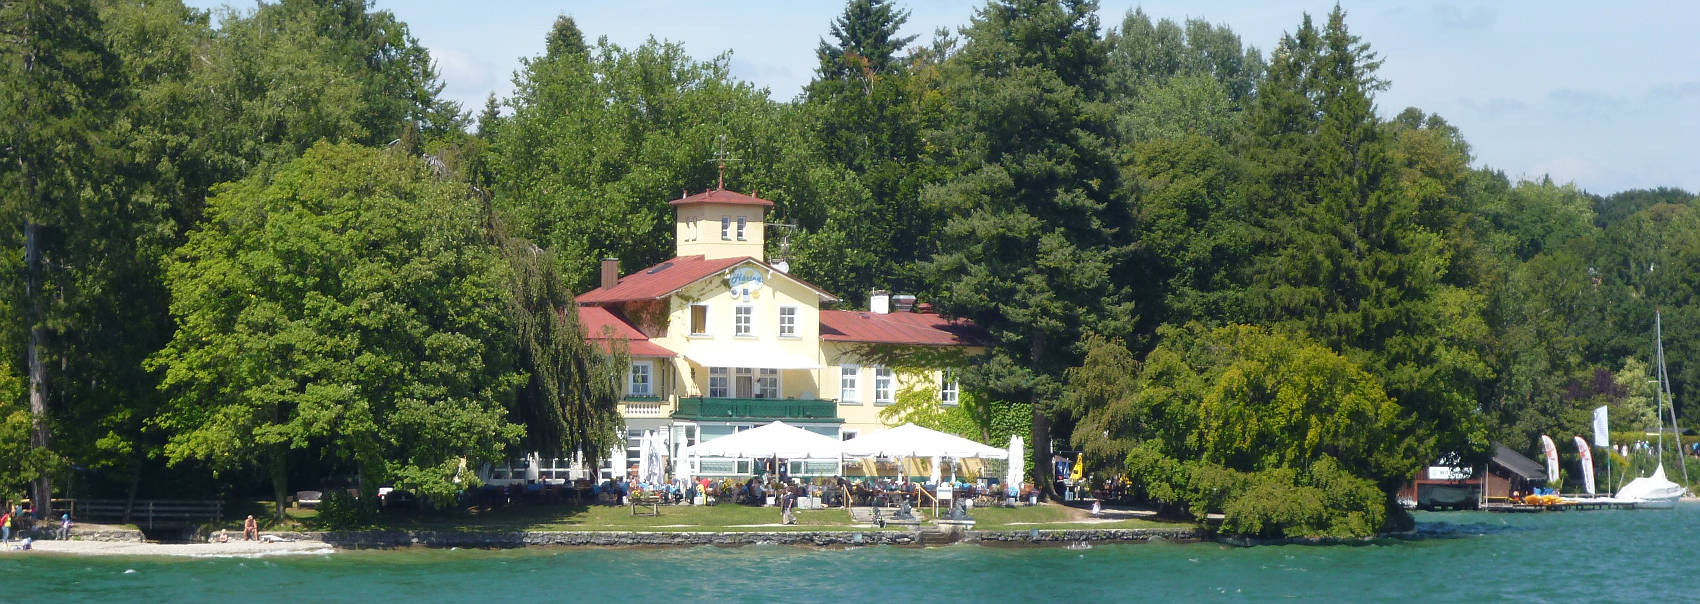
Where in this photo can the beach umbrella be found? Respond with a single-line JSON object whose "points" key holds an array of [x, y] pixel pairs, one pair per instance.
{"points": [[1016, 464], [933, 475]]}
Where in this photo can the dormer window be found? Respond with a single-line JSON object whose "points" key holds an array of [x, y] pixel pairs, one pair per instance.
{"points": [[726, 228], [740, 228]]}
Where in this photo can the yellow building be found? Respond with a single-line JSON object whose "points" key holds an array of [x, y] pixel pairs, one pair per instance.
{"points": [[722, 341]]}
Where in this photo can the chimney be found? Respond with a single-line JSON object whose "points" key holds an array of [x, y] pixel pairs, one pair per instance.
{"points": [[903, 302], [610, 272], [879, 302]]}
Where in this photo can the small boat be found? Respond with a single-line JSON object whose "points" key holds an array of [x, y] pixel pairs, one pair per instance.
{"points": [[1657, 492], [1652, 492]]}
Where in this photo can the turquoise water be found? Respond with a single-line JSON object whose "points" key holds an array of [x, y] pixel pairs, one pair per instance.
{"points": [[1608, 555]]}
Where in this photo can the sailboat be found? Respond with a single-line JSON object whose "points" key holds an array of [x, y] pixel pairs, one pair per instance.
{"points": [[1657, 492]]}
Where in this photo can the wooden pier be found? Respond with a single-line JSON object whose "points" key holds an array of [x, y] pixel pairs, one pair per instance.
{"points": [[1577, 506]]}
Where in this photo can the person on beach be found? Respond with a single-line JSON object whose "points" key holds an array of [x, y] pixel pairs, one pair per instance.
{"points": [[64, 527], [250, 529], [6, 529]]}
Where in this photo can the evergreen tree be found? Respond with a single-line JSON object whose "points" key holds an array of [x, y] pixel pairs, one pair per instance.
{"points": [[1344, 254], [867, 42], [1031, 247], [60, 87]]}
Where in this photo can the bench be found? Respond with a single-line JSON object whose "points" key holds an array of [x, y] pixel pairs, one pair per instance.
{"points": [[646, 501], [307, 499]]}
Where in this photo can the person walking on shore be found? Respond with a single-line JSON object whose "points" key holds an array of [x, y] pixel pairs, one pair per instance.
{"points": [[64, 527], [250, 529]]}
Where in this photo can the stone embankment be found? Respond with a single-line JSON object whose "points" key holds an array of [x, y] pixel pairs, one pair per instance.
{"points": [[496, 539]]}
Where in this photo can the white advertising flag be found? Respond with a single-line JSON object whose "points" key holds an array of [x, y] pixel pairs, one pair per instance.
{"points": [[1587, 464], [1602, 437], [1551, 451]]}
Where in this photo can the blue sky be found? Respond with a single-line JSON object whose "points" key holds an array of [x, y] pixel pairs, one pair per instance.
{"points": [[1605, 95]]}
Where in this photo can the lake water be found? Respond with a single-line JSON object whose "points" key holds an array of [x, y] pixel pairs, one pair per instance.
{"points": [[1606, 555]]}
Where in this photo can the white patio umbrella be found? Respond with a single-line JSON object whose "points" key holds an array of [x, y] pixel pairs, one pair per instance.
{"points": [[643, 456], [681, 464], [778, 439], [1017, 463], [657, 448], [910, 440]]}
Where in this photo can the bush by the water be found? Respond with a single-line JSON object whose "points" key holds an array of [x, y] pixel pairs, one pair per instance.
{"points": [[340, 510]]}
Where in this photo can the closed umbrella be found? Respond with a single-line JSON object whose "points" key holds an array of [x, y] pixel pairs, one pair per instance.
{"points": [[531, 472], [643, 456], [933, 475], [1017, 462], [657, 448], [681, 463]]}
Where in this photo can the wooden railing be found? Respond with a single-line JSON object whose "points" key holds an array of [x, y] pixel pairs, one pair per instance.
{"points": [[146, 513], [919, 492]]}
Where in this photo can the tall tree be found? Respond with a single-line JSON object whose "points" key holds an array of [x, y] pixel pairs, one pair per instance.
{"points": [[59, 87], [866, 110], [867, 42], [600, 140], [348, 301], [1348, 256], [1031, 246]]}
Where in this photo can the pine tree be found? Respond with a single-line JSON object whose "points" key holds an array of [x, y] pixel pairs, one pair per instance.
{"points": [[1031, 249]]}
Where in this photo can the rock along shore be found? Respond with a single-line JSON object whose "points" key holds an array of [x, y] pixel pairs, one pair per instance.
{"points": [[836, 538]]}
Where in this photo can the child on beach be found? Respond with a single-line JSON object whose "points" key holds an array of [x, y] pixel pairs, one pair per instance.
{"points": [[64, 527], [6, 529]]}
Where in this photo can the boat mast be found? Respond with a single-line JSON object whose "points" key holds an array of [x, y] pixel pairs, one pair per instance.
{"points": [[1665, 397]]}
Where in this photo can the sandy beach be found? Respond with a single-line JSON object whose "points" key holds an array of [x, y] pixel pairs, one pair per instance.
{"points": [[132, 548]]}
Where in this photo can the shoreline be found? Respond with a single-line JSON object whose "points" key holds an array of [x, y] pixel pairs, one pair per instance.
{"points": [[324, 543]]}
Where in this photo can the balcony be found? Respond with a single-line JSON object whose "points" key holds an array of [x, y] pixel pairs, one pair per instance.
{"points": [[761, 409]]}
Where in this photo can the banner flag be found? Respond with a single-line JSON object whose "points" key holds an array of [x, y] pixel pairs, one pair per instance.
{"points": [[1551, 451], [1587, 463], [1602, 437]]}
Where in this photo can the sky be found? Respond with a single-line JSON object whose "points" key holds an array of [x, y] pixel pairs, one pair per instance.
{"points": [[1602, 94]]}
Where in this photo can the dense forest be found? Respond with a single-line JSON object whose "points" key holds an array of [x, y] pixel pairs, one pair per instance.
{"points": [[260, 252]]}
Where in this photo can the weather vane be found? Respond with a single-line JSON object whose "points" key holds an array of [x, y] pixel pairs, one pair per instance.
{"points": [[720, 159]]}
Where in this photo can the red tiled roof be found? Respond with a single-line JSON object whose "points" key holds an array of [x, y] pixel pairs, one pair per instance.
{"points": [[602, 328], [659, 280], [722, 196], [671, 276], [925, 329]]}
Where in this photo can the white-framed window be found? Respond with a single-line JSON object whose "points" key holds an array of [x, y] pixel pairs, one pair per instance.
{"points": [[719, 383], [849, 376], [743, 382], [848, 434], [725, 228], [947, 386], [787, 321], [882, 386], [743, 320], [699, 319], [740, 228], [767, 384], [640, 379]]}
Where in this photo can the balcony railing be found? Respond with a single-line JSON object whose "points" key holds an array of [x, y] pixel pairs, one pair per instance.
{"points": [[768, 409]]}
